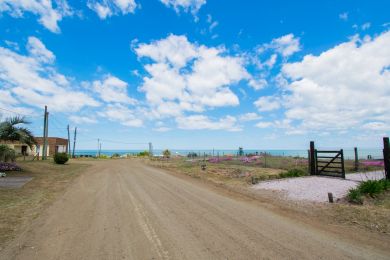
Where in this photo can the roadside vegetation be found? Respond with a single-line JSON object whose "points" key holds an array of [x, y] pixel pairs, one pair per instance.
{"points": [[61, 158], [372, 189], [238, 173], [20, 206], [12, 129]]}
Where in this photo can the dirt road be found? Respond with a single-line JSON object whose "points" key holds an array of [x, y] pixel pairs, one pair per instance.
{"points": [[123, 209]]}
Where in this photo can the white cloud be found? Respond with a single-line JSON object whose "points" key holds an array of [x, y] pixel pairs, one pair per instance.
{"points": [[162, 129], [267, 103], [38, 50], [122, 114], [344, 87], [366, 26], [112, 89], [286, 45], [188, 77], [211, 22], [263, 124], [249, 117], [267, 56], [192, 6], [257, 83], [82, 120], [107, 8], [344, 16], [7, 98], [32, 80], [376, 126], [49, 12], [175, 50], [271, 61], [201, 122]]}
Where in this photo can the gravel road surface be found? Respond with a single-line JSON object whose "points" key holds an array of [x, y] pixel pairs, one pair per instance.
{"points": [[122, 209]]}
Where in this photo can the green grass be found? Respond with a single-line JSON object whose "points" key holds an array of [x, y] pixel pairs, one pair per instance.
{"points": [[355, 196], [293, 173], [371, 188]]}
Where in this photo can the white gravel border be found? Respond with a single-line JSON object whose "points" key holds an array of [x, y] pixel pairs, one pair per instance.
{"points": [[316, 188]]}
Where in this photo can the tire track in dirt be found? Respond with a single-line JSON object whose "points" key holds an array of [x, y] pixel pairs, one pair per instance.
{"points": [[122, 209]]}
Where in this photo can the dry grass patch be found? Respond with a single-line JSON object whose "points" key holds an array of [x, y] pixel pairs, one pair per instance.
{"points": [[20, 206], [221, 173]]}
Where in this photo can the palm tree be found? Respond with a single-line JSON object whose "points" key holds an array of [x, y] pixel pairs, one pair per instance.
{"points": [[10, 131], [6, 153]]}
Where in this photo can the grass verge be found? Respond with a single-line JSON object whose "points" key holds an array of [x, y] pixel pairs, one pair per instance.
{"points": [[19, 207], [371, 188]]}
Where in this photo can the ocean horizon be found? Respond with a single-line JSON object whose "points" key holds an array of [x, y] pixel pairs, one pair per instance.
{"points": [[348, 153]]}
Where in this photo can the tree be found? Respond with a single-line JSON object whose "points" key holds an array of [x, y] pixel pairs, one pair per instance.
{"points": [[6, 153], [10, 130], [166, 153]]}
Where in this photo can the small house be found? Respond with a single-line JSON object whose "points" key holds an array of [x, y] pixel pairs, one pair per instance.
{"points": [[54, 145]]}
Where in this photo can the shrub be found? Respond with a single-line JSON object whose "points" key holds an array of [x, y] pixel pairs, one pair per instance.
{"points": [[386, 184], [371, 187], [115, 155], [192, 155], [61, 158], [293, 173], [354, 196], [144, 153], [167, 153], [7, 154], [4, 166]]}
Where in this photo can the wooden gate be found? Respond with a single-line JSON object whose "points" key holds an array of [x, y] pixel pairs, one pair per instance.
{"points": [[326, 163], [330, 163]]}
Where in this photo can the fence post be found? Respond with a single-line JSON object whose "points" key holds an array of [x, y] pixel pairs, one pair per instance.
{"points": [[356, 159], [386, 156], [342, 164], [312, 159]]}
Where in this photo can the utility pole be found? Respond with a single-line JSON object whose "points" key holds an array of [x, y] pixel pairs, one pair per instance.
{"points": [[47, 134], [150, 149], [69, 152], [98, 147], [45, 124], [74, 141]]}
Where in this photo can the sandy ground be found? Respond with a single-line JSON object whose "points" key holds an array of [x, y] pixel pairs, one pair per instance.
{"points": [[14, 182], [122, 209], [316, 188]]}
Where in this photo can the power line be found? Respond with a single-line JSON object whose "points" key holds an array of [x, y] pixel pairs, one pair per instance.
{"points": [[4, 109]]}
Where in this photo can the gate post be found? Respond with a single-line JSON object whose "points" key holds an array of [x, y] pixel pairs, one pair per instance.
{"points": [[386, 156], [312, 159], [342, 164], [356, 159]]}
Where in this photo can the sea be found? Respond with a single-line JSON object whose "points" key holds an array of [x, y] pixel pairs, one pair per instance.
{"points": [[348, 153]]}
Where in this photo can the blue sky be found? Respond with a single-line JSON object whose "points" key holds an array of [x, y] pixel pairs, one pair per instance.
{"points": [[198, 74]]}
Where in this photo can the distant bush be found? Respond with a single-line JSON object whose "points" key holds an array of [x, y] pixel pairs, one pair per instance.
{"points": [[167, 153], [144, 153], [6, 153], [355, 196], [115, 155], [61, 158], [192, 155], [293, 173]]}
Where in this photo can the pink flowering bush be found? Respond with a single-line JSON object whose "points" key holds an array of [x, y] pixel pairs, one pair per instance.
{"points": [[373, 163], [5, 166]]}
